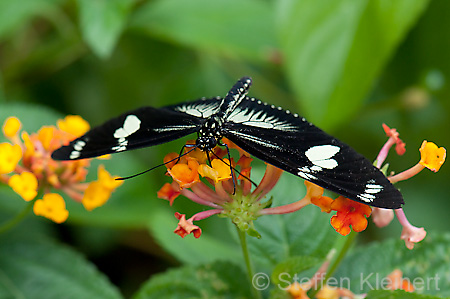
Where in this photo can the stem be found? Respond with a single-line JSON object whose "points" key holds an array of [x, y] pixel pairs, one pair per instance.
{"points": [[16, 220], [242, 238], [341, 254]]}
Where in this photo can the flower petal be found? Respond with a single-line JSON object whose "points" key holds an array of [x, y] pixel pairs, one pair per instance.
{"points": [[52, 206], [75, 125], [185, 174], [108, 181], [24, 184], [95, 195], [186, 227], [10, 155], [167, 192], [431, 156], [348, 213], [11, 126]]}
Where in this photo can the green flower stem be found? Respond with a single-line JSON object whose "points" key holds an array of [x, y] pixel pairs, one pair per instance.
{"points": [[19, 217], [243, 240], [342, 251]]}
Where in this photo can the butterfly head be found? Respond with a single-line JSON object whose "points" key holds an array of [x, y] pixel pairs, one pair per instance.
{"points": [[209, 134]]}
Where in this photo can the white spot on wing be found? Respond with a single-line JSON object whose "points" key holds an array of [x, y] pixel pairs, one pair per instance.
{"points": [[131, 124], [369, 193], [74, 155], [321, 155], [78, 146]]}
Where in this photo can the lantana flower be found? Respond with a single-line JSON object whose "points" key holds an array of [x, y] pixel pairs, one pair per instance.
{"points": [[27, 167], [237, 200]]}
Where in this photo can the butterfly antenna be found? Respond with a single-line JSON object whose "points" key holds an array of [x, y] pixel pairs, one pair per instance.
{"points": [[145, 171]]}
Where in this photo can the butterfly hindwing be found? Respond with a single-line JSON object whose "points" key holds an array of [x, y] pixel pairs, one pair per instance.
{"points": [[289, 142], [143, 127]]}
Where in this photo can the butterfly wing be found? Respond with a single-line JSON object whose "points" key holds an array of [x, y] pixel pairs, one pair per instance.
{"points": [[289, 142], [143, 127]]}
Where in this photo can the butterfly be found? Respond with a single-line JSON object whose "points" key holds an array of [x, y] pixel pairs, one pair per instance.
{"points": [[270, 133]]}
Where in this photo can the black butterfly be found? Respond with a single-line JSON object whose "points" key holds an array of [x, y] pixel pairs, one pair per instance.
{"points": [[276, 136]]}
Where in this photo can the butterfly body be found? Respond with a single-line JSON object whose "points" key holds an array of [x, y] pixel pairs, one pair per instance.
{"points": [[272, 134]]}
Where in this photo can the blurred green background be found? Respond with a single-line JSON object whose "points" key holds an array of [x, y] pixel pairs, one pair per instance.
{"points": [[348, 66]]}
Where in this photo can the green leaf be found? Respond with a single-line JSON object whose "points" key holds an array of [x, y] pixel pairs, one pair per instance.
{"points": [[426, 266], [398, 294], [334, 51], [102, 22], [242, 27], [36, 268], [15, 14], [217, 280]]}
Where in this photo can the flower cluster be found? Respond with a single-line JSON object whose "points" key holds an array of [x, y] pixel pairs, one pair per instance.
{"points": [[27, 167], [233, 197]]}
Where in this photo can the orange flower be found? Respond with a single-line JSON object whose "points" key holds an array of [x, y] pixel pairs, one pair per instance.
{"points": [[168, 193], [11, 126], [396, 282], [431, 156], [218, 171], [10, 155], [399, 144], [52, 206], [185, 227], [171, 157], [315, 194], [349, 212], [185, 175], [298, 291], [24, 184], [45, 136]]}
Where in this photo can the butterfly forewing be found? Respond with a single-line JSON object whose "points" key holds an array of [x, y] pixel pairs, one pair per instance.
{"points": [[143, 127], [291, 143]]}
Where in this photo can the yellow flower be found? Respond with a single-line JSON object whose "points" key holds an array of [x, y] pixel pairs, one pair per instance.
{"points": [[10, 155], [74, 125], [218, 172], [24, 184], [95, 195], [431, 156], [107, 180], [52, 206], [98, 192], [11, 126]]}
